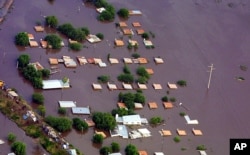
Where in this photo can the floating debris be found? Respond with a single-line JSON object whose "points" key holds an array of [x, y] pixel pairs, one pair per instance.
{"points": [[243, 67], [240, 78]]}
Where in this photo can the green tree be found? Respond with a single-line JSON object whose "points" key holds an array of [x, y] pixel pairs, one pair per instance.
{"points": [[128, 100], [51, 21], [104, 121], [156, 120], [75, 46], [41, 110], [135, 55], [85, 30], [61, 124], [126, 70], [100, 35], [164, 99], [54, 41], [11, 137], [177, 139], [142, 80], [61, 111], [18, 148], [201, 147], [45, 73], [79, 125], [115, 147], [131, 150], [182, 83], [105, 150], [97, 138], [123, 12], [141, 71], [145, 35], [139, 98], [127, 78], [23, 60], [33, 131], [38, 98], [22, 39], [103, 78]]}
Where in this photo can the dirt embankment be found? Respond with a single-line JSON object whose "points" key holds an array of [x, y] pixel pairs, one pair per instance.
{"points": [[4, 8]]}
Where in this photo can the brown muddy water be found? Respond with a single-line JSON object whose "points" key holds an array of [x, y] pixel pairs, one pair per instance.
{"points": [[190, 35]]}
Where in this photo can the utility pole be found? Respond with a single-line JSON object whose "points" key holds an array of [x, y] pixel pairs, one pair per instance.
{"points": [[210, 74]]}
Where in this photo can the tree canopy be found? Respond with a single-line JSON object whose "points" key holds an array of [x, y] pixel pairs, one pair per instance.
{"points": [[22, 39], [131, 150], [73, 33], [23, 60], [18, 148], [79, 125], [51, 21], [38, 98], [61, 124], [97, 138], [123, 12], [54, 41], [104, 121]]}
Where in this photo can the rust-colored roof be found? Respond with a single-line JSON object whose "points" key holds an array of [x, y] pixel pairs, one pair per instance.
{"points": [[123, 24], [33, 43], [142, 152], [119, 42], [90, 122], [140, 31], [136, 24], [152, 105], [53, 61], [197, 132], [44, 43], [168, 105], [142, 60], [181, 132], [31, 36], [165, 132], [150, 71], [127, 31], [121, 105]]}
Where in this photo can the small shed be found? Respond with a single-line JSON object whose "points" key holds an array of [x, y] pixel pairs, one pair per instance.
{"points": [[127, 86], [152, 105], [97, 86], [144, 132], [123, 24], [90, 122], [82, 60], [165, 132], [143, 152], [127, 31], [38, 28], [140, 31], [197, 132], [127, 60], [67, 104], [136, 24], [53, 61], [202, 152], [142, 86], [81, 110], [142, 60], [33, 43], [135, 12], [157, 86], [147, 42], [168, 105], [121, 105], [119, 42], [158, 60], [181, 132], [12, 94], [150, 71], [31, 36], [43, 43], [102, 64], [113, 60], [112, 86], [172, 86], [138, 105]]}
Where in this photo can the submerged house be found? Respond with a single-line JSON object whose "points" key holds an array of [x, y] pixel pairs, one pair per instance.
{"points": [[131, 120]]}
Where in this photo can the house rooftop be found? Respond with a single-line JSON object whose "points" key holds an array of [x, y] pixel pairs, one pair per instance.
{"points": [[33, 43], [43, 43], [119, 42], [30, 36], [112, 86], [165, 132], [158, 60], [172, 85], [81, 110], [181, 132], [142, 86], [142, 152], [127, 31], [53, 61], [168, 105], [97, 86], [140, 31], [38, 28], [136, 24], [121, 105], [82, 60], [152, 105], [127, 86], [123, 24], [127, 60], [150, 71], [142, 60], [113, 60], [90, 122], [157, 86], [197, 132], [67, 104]]}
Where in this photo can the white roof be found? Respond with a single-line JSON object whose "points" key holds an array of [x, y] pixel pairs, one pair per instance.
{"points": [[118, 153], [11, 153], [13, 93], [72, 151], [145, 132], [127, 86], [100, 10], [102, 64], [1, 141], [93, 38], [67, 104], [113, 60], [96, 86], [202, 152], [189, 121], [142, 86], [158, 153], [54, 84], [131, 119], [81, 110], [112, 86], [147, 42]]}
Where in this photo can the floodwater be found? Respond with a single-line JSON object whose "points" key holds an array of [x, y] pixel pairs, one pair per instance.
{"points": [[190, 35]]}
